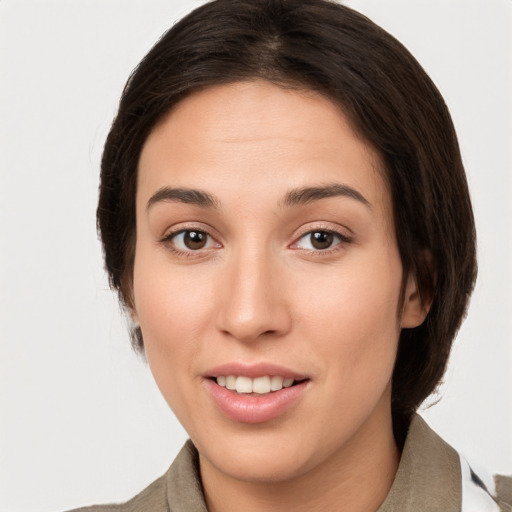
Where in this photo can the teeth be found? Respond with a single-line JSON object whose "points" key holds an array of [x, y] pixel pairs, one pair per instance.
{"points": [[276, 383], [230, 382], [260, 385], [243, 385]]}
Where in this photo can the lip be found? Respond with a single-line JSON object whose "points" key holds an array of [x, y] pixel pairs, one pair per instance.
{"points": [[254, 370], [253, 408]]}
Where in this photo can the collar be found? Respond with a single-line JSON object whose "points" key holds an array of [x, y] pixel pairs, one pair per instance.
{"points": [[429, 475], [184, 488]]}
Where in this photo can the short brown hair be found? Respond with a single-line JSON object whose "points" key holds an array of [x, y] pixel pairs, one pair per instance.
{"points": [[391, 102]]}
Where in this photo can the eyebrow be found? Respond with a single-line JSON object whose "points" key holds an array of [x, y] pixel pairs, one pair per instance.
{"points": [[294, 197], [306, 195], [184, 195]]}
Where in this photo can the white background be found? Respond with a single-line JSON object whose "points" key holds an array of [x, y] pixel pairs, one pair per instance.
{"points": [[81, 419]]}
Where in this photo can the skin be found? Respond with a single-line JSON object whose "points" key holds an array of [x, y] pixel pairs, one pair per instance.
{"points": [[259, 291]]}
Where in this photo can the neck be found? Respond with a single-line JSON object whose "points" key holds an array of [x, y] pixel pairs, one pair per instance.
{"points": [[357, 478]]}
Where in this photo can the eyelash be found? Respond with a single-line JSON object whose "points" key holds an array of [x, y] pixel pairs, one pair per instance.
{"points": [[168, 240], [342, 239]]}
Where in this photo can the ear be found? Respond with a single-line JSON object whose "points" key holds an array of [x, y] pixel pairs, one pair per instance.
{"points": [[415, 307]]}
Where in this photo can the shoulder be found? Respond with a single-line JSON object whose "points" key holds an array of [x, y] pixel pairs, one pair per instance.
{"points": [[151, 498], [504, 492], [433, 477], [481, 491], [178, 490]]}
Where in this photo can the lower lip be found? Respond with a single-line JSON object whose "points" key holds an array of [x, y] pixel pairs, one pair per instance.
{"points": [[253, 408]]}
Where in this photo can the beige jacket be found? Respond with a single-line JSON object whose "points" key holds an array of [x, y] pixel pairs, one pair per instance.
{"points": [[429, 479]]}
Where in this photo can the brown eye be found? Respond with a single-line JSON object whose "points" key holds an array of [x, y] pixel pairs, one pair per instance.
{"points": [[194, 240], [190, 240], [321, 239]]}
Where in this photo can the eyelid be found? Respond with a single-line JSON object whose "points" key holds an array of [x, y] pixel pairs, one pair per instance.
{"points": [[184, 226], [343, 238], [342, 234], [168, 240], [209, 239]]}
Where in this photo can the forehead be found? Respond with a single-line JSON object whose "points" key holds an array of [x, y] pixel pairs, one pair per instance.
{"points": [[256, 133]]}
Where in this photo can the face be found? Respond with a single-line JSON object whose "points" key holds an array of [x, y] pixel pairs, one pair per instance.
{"points": [[267, 280]]}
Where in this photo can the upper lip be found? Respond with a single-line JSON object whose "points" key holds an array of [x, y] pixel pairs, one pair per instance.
{"points": [[254, 370]]}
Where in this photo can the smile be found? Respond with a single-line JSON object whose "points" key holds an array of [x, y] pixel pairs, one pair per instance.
{"points": [[259, 385], [255, 399]]}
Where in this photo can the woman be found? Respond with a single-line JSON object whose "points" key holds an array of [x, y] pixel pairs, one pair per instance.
{"points": [[294, 253], [285, 216]]}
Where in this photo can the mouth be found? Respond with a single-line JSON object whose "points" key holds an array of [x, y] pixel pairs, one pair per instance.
{"points": [[258, 386], [255, 393]]}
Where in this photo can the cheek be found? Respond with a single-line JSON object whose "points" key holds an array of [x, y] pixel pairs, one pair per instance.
{"points": [[173, 315], [353, 317], [169, 297], [174, 312]]}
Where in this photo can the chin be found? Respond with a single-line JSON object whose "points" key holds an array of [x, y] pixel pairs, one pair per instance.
{"points": [[265, 453], [262, 466]]}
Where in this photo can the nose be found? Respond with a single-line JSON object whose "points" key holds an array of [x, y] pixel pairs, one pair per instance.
{"points": [[253, 301]]}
